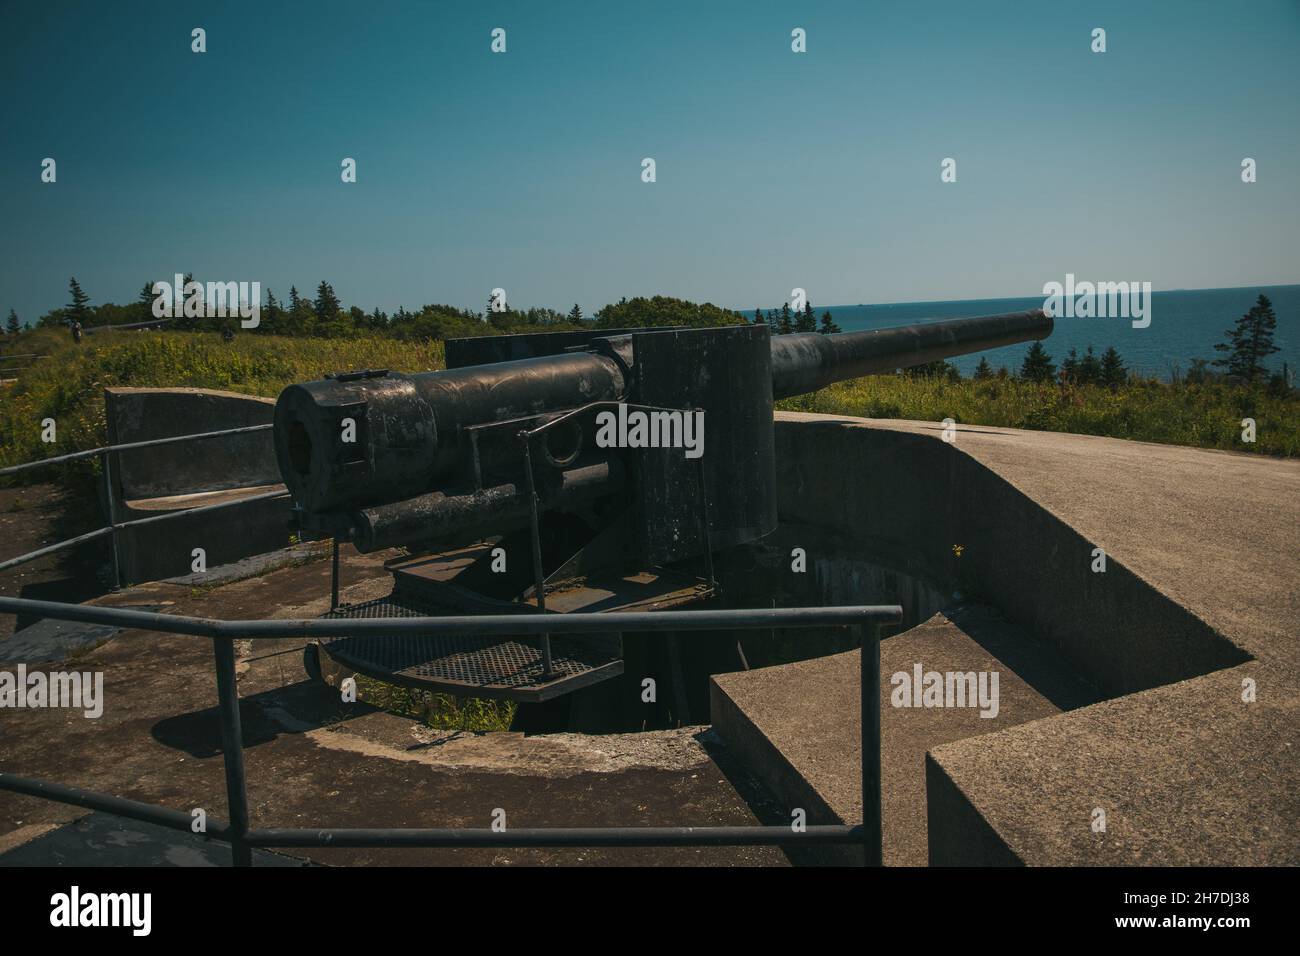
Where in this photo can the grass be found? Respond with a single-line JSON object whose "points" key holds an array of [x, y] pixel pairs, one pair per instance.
{"points": [[439, 711], [68, 386], [1201, 415]]}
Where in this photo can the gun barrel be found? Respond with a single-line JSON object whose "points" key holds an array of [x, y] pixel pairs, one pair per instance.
{"points": [[807, 361]]}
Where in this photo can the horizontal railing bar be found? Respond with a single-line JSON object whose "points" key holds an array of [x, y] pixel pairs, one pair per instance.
{"points": [[107, 529], [131, 446], [272, 837], [119, 806], [486, 625], [136, 522], [51, 549], [554, 836]]}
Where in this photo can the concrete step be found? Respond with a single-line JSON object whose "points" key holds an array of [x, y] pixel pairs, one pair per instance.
{"points": [[797, 726]]}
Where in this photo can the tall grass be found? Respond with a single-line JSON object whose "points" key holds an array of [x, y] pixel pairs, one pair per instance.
{"points": [[68, 386], [1202, 415]]}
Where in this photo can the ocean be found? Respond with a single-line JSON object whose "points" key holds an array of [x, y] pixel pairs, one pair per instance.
{"points": [[1185, 324]]}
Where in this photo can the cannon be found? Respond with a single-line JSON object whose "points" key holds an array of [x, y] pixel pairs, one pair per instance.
{"points": [[568, 471]]}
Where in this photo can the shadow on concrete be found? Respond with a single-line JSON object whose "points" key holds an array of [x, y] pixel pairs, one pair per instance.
{"points": [[38, 515], [295, 709], [101, 839], [1036, 663], [768, 810]]}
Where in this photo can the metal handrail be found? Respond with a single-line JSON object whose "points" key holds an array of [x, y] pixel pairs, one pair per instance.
{"points": [[132, 446], [105, 453], [242, 838]]}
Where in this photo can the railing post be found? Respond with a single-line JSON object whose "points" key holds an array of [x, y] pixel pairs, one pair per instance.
{"points": [[872, 848], [232, 749], [334, 577], [107, 459], [539, 580]]}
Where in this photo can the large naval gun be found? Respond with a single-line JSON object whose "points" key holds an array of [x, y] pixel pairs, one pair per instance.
{"points": [[565, 472]]}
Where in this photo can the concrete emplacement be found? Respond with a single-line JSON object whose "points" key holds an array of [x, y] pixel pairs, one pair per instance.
{"points": [[1146, 713]]}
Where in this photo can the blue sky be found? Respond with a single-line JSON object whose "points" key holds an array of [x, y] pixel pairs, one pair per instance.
{"points": [[522, 170]]}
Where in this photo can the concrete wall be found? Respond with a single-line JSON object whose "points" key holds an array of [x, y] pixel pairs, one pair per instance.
{"points": [[1185, 737], [172, 478], [907, 499], [142, 414]]}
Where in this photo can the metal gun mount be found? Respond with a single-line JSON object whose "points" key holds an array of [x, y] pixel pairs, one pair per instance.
{"points": [[501, 449]]}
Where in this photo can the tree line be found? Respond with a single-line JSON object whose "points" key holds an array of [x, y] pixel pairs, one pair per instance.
{"points": [[326, 316], [1247, 344]]}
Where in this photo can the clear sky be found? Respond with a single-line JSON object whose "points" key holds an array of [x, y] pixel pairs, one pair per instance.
{"points": [[523, 169]]}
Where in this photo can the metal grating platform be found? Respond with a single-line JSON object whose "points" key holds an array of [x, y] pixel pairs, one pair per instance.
{"points": [[509, 668]]}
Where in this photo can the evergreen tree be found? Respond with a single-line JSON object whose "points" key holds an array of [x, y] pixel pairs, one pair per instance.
{"points": [[772, 322], [1089, 368], [271, 315], [144, 302], [78, 310], [327, 303], [807, 321], [575, 314], [786, 325], [936, 369], [1070, 366], [1038, 365], [1113, 372], [301, 318], [504, 319], [12, 324], [1250, 341], [983, 370], [828, 326], [758, 317]]}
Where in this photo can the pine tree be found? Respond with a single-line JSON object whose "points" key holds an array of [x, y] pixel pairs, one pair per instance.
{"points": [[771, 321], [1250, 341], [1070, 366], [12, 324], [294, 299], [1089, 368], [828, 326], [271, 314], [1038, 365], [78, 310], [327, 303], [144, 302], [1113, 372], [575, 314], [758, 317], [807, 321], [786, 325], [982, 371], [936, 369]]}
